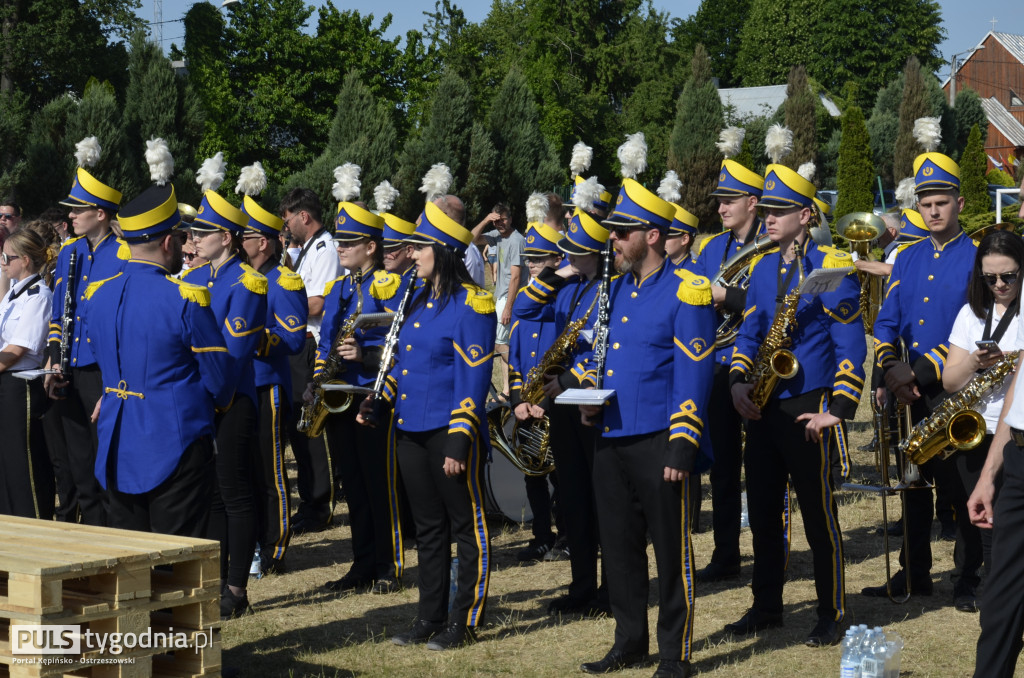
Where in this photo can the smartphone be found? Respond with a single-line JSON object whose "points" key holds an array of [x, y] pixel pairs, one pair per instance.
{"points": [[988, 345]]}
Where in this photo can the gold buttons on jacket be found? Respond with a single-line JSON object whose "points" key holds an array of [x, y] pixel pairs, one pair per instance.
{"points": [[914, 344], [625, 319], [416, 325], [403, 396], [633, 295], [408, 347], [615, 345], [931, 277], [401, 421], [534, 335], [935, 256], [921, 321], [606, 429], [609, 373], [430, 304], [405, 372], [533, 354]]}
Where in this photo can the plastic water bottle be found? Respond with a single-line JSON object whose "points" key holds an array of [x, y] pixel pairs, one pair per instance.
{"points": [[849, 664], [875, 653], [453, 588], [255, 569], [744, 516], [894, 645]]}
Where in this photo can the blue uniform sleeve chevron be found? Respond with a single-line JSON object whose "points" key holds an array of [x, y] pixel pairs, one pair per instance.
{"points": [[473, 343], [693, 371], [928, 368], [846, 328], [534, 302]]}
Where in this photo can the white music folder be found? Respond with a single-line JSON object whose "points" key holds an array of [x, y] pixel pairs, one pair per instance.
{"points": [[585, 396]]}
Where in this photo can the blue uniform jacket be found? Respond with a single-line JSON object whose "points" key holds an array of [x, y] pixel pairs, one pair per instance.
{"points": [[443, 367], [528, 341], [340, 299], [238, 298], [285, 332], [661, 335], [165, 367], [828, 340], [927, 288], [105, 261]]}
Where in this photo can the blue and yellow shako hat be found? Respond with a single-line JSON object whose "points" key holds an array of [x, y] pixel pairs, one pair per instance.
{"points": [[354, 222], [541, 240], [88, 191], [783, 187], [604, 202], [683, 222], [217, 214], [396, 230], [584, 236], [735, 180], [154, 212], [636, 206], [912, 226], [260, 220], [434, 226], [935, 172]]}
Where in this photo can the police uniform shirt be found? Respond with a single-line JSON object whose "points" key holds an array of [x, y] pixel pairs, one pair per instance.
{"points": [[340, 300], [285, 331], [24, 313], [528, 341], [98, 263], [165, 367], [318, 267], [927, 287], [828, 340]]}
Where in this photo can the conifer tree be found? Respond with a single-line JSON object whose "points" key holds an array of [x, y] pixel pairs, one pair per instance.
{"points": [[913, 105], [98, 114], [973, 186], [855, 174], [49, 155], [480, 192], [14, 125], [799, 109], [968, 113]]}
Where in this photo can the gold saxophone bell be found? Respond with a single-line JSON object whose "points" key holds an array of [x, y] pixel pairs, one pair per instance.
{"points": [[964, 431]]}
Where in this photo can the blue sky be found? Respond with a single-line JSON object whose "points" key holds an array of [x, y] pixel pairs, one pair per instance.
{"points": [[966, 23]]}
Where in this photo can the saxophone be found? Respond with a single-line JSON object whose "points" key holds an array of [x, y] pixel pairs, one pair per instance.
{"points": [[774, 359], [314, 413], [955, 425]]}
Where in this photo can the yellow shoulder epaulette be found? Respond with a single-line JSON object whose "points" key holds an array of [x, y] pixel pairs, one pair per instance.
{"points": [[253, 280], [761, 255], [479, 299], [704, 242], [835, 258], [123, 251], [71, 240], [91, 288], [192, 270], [384, 284], [694, 289], [194, 293], [330, 285], [289, 279]]}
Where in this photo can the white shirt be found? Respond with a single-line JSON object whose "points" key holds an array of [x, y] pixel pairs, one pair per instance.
{"points": [[318, 267], [968, 329], [475, 264], [25, 321]]}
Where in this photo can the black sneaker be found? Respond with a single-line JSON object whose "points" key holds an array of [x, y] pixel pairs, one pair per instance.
{"points": [[232, 606], [560, 550], [533, 552], [455, 635], [420, 632]]}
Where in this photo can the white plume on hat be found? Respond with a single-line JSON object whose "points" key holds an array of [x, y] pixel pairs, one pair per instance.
{"points": [[778, 142], [587, 193], [633, 155], [582, 156], [730, 141], [807, 171], [211, 174], [905, 194], [385, 195], [536, 207], [436, 181], [87, 152], [252, 180], [346, 182], [160, 161], [928, 133], [669, 188]]}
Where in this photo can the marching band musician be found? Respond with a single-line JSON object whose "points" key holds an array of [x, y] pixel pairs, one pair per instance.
{"points": [[284, 335], [790, 438], [737, 192], [438, 385], [683, 230], [658, 361], [567, 296], [239, 301], [99, 256], [926, 290], [366, 476]]}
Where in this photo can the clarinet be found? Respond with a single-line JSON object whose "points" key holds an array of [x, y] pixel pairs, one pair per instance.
{"points": [[601, 324], [390, 344], [67, 325]]}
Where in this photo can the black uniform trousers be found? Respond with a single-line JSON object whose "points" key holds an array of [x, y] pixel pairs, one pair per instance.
{"points": [[634, 500], [233, 514], [26, 476], [538, 496], [442, 506], [573, 445], [80, 434], [57, 448], [272, 501], [725, 427], [315, 474], [179, 505], [776, 452], [968, 465], [370, 493]]}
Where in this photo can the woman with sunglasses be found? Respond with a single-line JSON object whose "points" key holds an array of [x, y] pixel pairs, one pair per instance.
{"points": [[26, 476], [992, 313]]}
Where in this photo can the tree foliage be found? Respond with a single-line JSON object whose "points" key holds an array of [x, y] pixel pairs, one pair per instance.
{"points": [[973, 186], [913, 105], [967, 113], [855, 177], [717, 26], [775, 37], [799, 109]]}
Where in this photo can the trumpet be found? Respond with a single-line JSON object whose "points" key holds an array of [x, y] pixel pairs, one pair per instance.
{"points": [[862, 229]]}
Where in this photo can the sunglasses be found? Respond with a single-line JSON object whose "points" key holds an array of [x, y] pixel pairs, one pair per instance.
{"points": [[624, 231], [992, 278], [6, 258]]}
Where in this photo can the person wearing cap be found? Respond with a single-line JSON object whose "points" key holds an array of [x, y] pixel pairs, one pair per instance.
{"points": [[99, 256], [790, 438], [926, 290], [661, 335], [239, 303], [737, 193], [284, 336], [366, 475], [398, 253], [679, 241], [163, 359], [560, 297], [438, 387], [316, 262]]}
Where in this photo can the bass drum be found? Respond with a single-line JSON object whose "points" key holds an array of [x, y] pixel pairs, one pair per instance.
{"points": [[504, 484]]}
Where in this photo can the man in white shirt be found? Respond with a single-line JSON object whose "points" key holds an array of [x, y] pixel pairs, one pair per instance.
{"points": [[317, 264]]}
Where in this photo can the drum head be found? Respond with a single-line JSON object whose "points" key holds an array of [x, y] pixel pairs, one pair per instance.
{"points": [[505, 490]]}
